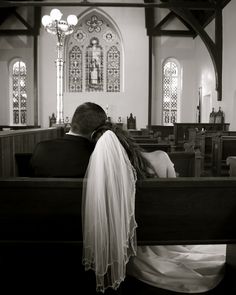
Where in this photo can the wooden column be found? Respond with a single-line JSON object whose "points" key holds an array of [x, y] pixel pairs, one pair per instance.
{"points": [[150, 84]]}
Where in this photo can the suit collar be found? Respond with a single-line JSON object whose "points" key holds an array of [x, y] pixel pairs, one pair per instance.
{"points": [[75, 138]]}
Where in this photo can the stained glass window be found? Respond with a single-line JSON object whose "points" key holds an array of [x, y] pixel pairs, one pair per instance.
{"points": [[94, 66], [94, 54], [19, 93], [113, 70], [75, 74], [170, 92]]}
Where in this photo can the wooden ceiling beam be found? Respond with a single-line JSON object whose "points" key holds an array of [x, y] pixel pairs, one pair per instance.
{"points": [[173, 33], [14, 32], [186, 24], [215, 49], [165, 20], [22, 20], [37, 20], [193, 5]]}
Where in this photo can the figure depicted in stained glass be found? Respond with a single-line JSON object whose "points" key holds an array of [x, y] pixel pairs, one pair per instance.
{"points": [[94, 72], [94, 66]]}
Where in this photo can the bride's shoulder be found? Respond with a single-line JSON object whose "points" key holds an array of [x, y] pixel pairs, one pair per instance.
{"points": [[155, 154]]}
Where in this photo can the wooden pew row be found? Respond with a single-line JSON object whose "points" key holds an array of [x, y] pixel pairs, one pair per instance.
{"points": [[21, 141], [162, 131], [41, 237], [187, 164], [222, 147], [181, 130], [15, 127]]}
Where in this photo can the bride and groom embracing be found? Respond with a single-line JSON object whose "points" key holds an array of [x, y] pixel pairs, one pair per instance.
{"points": [[110, 163]]}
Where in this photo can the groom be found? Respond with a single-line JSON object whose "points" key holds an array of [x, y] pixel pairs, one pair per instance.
{"points": [[69, 156]]}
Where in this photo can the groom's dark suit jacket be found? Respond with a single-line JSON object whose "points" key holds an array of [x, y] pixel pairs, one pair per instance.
{"points": [[62, 157]]}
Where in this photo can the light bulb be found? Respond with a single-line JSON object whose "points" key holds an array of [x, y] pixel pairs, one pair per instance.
{"points": [[72, 20], [55, 14], [46, 20]]}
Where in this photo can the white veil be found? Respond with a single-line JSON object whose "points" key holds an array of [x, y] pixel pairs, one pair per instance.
{"points": [[108, 212]]}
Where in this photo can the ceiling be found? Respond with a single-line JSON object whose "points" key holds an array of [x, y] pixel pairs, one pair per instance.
{"points": [[198, 8]]}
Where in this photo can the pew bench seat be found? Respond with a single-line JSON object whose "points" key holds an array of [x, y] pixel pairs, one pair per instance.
{"points": [[40, 223]]}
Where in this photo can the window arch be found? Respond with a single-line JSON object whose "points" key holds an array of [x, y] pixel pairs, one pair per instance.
{"points": [[94, 54], [171, 81], [18, 92]]}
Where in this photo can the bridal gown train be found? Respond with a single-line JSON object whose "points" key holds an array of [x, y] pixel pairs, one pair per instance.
{"points": [[179, 268]]}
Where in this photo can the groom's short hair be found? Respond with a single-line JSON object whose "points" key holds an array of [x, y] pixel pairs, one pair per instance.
{"points": [[87, 117]]}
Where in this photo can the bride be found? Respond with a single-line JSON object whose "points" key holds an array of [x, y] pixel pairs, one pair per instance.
{"points": [[109, 226]]}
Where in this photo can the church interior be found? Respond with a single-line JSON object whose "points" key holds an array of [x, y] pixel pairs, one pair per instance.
{"points": [[163, 71]]}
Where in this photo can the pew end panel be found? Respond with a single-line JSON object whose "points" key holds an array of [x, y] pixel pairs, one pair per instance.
{"points": [[223, 147], [187, 164]]}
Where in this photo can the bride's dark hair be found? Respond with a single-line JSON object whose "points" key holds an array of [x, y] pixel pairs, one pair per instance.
{"points": [[134, 151]]}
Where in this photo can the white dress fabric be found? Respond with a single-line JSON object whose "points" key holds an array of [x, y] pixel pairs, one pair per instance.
{"points": [[179, 268], [108, 212]]}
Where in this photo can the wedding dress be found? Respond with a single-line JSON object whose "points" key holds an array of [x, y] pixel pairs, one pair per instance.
{"points": [[179, 268], [109, 229]]}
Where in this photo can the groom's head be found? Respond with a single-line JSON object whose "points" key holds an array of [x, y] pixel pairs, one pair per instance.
{"points": [[87, 117]]}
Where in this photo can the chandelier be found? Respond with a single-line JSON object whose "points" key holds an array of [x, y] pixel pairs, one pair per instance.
{"points": [[54, 25]]}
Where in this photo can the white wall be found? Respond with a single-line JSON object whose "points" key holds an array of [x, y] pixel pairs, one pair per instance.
{"points": [[10, 48], [229, 65], [181, 49], [205, 69], [197, 69], [134, 98]]}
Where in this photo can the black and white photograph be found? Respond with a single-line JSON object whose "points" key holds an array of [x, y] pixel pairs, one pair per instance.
{"points": [[118, 147]]}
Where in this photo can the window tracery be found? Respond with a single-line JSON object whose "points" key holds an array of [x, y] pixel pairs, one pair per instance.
{"points": [[170, 93], [94, 55], [18, 93]]}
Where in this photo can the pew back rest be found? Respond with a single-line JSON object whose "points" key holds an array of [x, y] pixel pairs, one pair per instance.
{"points": [[23, 167], [228, 146], [168, 211], [162, 131], [186, 164], [222, 147]]}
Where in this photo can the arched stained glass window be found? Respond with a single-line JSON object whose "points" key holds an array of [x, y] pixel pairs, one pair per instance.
{"points": [[75, 74], [96, 66], [19, 93], [170, 93], [113, 69]]}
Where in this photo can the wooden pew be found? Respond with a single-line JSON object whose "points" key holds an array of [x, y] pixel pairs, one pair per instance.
{"points": [[204, 142], [187, 164], [162, 131], [181, 130], [208, 142], [22, 141], [41, 237], [15, 127], [223, 147]]}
